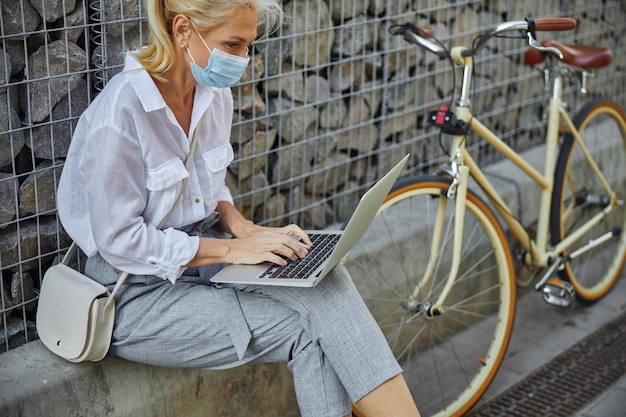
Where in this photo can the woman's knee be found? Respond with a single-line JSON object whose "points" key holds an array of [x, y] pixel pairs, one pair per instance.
{"points": [[339, 285]]}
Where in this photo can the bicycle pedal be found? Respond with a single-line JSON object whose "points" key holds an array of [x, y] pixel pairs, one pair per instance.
{"points": [[558, 293]]}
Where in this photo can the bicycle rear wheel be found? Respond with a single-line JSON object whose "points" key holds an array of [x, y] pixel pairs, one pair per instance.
{"points": [[449, 357], [579, 194]]}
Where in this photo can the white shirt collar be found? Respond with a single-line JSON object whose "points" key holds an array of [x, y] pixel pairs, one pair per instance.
{"points": [[150, 96]]}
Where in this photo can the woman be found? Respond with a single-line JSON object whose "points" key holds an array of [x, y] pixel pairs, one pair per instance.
{"points": [[121, 176]]}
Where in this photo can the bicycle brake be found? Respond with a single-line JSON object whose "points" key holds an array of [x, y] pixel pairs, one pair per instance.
{"points": [[445, 120]]}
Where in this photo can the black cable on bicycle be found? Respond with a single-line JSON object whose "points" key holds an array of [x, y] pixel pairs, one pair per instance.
{"points": [[475, 47], [479, 41], [407, 29], [401, 30]]}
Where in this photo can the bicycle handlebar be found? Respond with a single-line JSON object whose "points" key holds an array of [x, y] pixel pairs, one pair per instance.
{"points": [[420, 36]]}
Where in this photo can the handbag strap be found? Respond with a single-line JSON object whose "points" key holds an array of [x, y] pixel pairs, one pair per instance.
{"points": [[188, 162]]}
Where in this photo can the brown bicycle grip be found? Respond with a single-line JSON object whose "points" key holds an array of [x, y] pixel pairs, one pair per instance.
{"points": [[426, 33], [550, 24]]}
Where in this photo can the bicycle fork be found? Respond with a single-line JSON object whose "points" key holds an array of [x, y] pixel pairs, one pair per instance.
{"points": [[458, 192]]}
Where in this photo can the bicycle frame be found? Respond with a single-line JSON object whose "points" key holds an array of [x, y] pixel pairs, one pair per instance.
{"points": [[463, 166]]}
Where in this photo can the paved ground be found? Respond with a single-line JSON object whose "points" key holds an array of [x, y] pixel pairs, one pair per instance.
{"points": [[542, 332], [611, 404]]}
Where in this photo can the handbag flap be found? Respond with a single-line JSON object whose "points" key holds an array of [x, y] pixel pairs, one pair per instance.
{"points": [[63, 313]]}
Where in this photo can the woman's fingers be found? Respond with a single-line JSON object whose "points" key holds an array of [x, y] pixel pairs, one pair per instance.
{"points": [[269, 245], [297, 232], [290, 247]]}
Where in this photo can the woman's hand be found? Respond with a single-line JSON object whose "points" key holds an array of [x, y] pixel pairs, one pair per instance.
{"points": [[254, 245], [271, 244]]}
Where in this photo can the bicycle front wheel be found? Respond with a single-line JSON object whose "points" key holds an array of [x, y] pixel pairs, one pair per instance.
{"points": [[583, 188], [449, 355]]}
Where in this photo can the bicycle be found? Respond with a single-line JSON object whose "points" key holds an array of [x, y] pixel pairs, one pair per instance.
{"points": [[447, 310]]}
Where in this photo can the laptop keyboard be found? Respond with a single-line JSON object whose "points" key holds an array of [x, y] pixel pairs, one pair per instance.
{"points": [[323, 245]]}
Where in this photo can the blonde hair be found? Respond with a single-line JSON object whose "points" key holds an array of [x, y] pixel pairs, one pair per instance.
{"points": [[157, 56]]}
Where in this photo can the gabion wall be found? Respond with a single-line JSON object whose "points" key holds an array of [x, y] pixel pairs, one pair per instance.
{"points": [[328, 104]]}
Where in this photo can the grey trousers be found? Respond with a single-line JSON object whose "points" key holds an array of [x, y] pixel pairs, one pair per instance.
{"points": [[326, 335]]}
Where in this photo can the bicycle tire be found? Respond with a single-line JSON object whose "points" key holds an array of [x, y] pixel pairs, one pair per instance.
{"points": [[578, 195], [448, 359]]}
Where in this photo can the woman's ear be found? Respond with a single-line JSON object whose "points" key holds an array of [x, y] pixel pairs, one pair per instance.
{"points": [[181, 29]]}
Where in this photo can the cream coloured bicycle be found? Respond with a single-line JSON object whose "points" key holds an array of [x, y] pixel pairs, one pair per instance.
{"points": [[443, 285]]}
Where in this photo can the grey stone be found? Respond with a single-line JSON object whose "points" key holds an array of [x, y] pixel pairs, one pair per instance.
{"points": [[6, 67], [11, 135], [18, 19], [51, 10], [23, 290], [29, 243], [8, 198], [291, 120], [52, 140], [52, 71], [38, 192]]}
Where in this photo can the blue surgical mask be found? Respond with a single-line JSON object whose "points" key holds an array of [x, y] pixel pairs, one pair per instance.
{"points": [[222, 70]]}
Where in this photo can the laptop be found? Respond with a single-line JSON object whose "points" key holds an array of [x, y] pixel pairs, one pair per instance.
{"points": [[329, 246]]}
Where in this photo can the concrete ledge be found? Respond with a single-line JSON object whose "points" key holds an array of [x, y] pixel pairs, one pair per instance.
{"points": [[36, 383]]}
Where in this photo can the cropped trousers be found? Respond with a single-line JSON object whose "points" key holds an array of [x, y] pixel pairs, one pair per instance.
{"points": [[326, 335]]}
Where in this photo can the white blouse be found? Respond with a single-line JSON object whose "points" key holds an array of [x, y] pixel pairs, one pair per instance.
{"points": [[125, 166]]}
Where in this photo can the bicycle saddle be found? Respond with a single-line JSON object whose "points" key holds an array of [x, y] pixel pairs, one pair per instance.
{"points": [[582, 56]]}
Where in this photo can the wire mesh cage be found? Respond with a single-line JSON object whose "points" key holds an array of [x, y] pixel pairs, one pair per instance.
{"points": [[329, 102]]}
